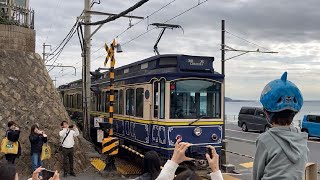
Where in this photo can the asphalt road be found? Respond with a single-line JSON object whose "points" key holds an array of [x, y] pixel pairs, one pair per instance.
{"points": [[244, 143]]}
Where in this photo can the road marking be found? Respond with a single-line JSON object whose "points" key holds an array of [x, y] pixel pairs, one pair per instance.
{"points": [[228, 177], [242, 132], [317, 142], [247, 165], [241, 140]]}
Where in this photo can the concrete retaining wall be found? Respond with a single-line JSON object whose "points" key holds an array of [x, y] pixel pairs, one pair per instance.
{"points": [[17, 38]]}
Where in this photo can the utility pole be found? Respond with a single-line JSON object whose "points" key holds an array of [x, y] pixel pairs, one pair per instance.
{"points": [[55, 82], [224, 158], [86, 70], [44, 51], [86, 79], [225, 48]]}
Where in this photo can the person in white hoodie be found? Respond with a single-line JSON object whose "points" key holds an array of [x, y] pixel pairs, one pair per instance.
{"points": [[67, 135], [169, 169]]}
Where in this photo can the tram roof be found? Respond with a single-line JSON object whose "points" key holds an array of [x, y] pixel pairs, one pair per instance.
{"points": [[160, 64]]}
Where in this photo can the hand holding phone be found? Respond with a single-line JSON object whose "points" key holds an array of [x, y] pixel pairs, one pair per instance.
{"points": [[213, 159], [209, 152], [47, 174]]}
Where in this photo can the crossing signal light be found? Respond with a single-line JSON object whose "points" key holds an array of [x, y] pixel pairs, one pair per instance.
{"points": [[96, 74]]}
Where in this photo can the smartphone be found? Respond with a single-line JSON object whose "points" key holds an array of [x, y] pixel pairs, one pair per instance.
{"points": [[71, 126], [209, 152], [198, 152], [47, 174]]}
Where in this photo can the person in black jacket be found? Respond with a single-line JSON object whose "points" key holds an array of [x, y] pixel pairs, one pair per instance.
{"points": [[13, 134], [37, 138], [151, 166]]}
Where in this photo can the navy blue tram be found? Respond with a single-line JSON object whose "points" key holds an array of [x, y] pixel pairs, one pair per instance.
{"points": [[158, 100]]}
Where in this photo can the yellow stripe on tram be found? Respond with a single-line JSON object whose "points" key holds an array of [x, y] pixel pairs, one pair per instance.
{"points": [[151, 121]]}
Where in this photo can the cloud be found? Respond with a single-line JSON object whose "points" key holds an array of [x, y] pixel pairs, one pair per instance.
{"points": [[289, 27]]}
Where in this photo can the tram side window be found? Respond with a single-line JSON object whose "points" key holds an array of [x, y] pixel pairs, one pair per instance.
{"points": [[76, 100], [79, 100], [155, 100], [116, 103], [66, 101], [107, 102], [139, 102], [130, 102], [162, 98], [98, 101], [93, 102], [103, 102], [71, 101], [121, 102]]}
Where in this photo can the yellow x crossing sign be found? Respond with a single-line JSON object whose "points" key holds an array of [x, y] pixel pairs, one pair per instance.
{"points": [[110, 52]]}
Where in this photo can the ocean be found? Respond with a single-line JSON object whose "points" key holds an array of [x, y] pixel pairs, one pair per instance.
{"points": [[233, 108]]}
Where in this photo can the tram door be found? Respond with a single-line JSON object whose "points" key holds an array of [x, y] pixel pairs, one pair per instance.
{"points": [[158, 108], [155, 112]]}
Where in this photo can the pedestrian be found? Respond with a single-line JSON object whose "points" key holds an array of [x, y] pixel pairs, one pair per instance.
{"points": [[67, 135], [151, 166], [169, 169], [282, 151], [8, 172], [37, 138], [12, 134]]}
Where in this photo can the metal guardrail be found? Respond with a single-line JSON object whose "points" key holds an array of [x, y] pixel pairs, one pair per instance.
{"points": [[16, 15]]}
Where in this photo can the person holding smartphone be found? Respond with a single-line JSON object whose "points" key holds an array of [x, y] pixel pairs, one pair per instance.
{"points": [[37, 137], [179, 156], [67, 135], [13, 134], [47, 174]]}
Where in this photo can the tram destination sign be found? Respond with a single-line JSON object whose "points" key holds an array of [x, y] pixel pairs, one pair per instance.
{"points": [[194, 63]]}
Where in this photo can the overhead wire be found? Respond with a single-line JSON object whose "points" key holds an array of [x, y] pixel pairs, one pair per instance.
{"points": [[55, 49], [156, 27], [164, 22], [60, 51], [199, 3], [54, 13], [62, 42], [247, 40], [72, 29], [134, 24]]}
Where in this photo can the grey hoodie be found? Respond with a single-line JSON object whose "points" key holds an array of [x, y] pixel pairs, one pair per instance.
{"points": [[281, 154]]}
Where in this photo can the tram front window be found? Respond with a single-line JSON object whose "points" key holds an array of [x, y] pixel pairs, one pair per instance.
{"points": [[191, 99]]}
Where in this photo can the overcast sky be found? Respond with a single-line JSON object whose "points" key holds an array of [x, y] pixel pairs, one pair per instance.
{"points": [[290, 27]]}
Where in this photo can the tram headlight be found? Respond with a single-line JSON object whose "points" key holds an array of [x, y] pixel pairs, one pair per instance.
{"points": [[214, 137], [197, 131]]}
